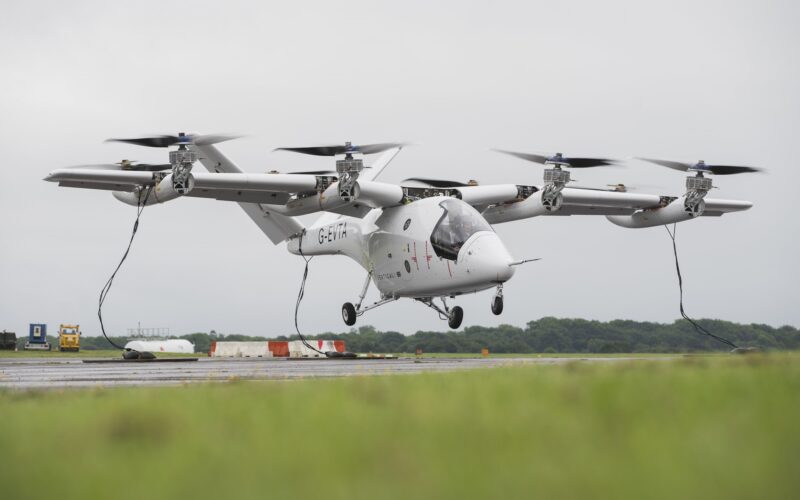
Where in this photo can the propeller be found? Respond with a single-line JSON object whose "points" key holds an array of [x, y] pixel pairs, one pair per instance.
{"points": [[440, 183], [703, 167], [613, 188], [315, 172], [618, 188], [559, 159], [128, 165], [165, 141], [348, 148]]}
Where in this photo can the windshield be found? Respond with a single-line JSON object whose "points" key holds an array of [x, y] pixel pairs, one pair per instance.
{"points": [[458, 223]]}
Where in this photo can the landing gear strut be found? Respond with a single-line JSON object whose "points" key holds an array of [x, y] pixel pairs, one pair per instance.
{"points": [[453, 316], [497, 301], [350, 311]]}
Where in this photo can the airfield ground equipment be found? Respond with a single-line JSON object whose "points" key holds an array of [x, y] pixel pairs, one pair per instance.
{"points": [[8, 341], [69, 338], [37, 338]]}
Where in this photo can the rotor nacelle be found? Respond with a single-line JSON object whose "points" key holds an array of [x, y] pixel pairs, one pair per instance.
{"points": [[348, 167], [555, 178], [698, 185]]}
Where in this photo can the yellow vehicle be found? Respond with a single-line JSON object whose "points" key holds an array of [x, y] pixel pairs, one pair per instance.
{"points": [[69, 338]]}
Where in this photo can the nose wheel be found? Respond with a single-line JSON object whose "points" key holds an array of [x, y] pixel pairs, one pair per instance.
{"points": [[497, 301], [497, 306]]}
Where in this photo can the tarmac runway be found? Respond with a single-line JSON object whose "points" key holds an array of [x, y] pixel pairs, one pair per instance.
{"points": [[54, 373]]}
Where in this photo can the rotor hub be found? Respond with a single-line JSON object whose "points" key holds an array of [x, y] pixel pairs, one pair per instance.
{"points": [[349, 165], [556, 176], [348, 170], [182, 161], [558, 160], [697, 187], [698, 183]]}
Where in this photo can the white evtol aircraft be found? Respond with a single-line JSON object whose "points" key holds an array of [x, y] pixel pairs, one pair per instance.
{"points": [[424, 240]]}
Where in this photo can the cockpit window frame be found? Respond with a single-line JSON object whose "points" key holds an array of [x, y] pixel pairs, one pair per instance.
{"points": [[450, 250]]}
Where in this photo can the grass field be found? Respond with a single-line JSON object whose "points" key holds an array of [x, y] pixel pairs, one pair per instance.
{"points": [[722, 427]]}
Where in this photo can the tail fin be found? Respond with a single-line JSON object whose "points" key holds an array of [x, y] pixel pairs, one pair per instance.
{"points": [[277, 227]]}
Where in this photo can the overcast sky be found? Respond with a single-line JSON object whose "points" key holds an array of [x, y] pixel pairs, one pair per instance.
{"points": [[673, 79]]}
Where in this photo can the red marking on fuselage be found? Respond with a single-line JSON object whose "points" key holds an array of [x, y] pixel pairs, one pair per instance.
{"points": [[414, 258], [427, 256]]}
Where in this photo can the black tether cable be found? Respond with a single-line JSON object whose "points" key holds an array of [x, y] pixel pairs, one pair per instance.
{"points": [[697, 327], [104, 292], [301, 293]]}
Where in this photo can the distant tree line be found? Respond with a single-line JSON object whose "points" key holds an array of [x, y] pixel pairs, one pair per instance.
{"points": [[547, 335]]}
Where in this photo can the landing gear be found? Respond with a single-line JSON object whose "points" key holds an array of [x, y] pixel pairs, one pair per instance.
{"points": [[497, 301], [349, 314], [497, 306], [455, 317], [350, 311]]}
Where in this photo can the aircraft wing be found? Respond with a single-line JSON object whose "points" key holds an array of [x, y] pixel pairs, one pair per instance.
{"points": [[615, 205], [111, 180], [265, 187]]}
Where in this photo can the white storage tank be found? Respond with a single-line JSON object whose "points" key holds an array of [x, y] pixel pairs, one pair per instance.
{"points": [[171, 345]]}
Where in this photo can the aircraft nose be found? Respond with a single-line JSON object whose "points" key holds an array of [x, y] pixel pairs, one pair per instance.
{"points": [[488, 258]]}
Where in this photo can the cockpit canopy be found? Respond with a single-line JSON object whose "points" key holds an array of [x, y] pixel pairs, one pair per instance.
{"points": [[458, 222]]}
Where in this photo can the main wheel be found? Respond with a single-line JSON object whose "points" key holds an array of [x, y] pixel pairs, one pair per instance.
{"points": [[497, 306], [349, 314], [455, 317]]}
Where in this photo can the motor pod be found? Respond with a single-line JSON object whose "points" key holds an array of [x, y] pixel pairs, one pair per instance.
{"points": [[163, 191], [378, 194], [531, 206], [677, 211], [488, 195]]}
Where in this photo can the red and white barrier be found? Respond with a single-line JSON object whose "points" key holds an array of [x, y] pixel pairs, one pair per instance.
{"points": [[279, 348], [240, 350], [274, 349]]}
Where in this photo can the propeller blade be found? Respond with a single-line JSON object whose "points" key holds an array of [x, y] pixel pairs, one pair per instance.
{"points": [[589, 162], [728, 169], [164, 141], [524, 156], [573, 162], [610, 189], [208, 139], [146, 167], [316, 151], [366, 149], [437, 183], [675, 165], [136, 167], [370, 149], [159, 141], [714, 169], [315, 172]]}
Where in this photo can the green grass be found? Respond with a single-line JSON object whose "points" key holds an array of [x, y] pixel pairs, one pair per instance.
{"points": [[112, 353], [723, 427], [547, 355]]}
